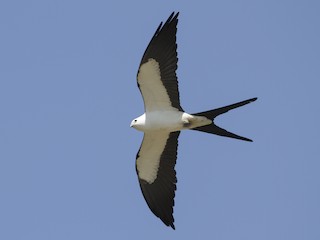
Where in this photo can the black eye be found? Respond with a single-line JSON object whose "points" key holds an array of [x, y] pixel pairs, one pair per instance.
{"points": [[135, 120]]}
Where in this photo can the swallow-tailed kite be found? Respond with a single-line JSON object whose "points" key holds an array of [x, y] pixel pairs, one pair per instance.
{"points": [[163, 120]]}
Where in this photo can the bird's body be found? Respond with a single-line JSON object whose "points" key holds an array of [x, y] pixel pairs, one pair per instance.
{"points": [[169, 121], [163, 120]]}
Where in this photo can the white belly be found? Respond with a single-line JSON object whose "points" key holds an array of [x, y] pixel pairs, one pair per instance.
{"points": [[164, 120]]}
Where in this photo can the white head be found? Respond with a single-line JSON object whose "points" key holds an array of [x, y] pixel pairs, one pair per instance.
{"points": [[139, 122]]}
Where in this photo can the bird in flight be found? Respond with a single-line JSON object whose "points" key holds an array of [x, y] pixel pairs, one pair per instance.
{"points": [[163, 120]]}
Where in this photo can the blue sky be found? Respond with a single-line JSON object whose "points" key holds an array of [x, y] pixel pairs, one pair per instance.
{"points": [[68, 94]]}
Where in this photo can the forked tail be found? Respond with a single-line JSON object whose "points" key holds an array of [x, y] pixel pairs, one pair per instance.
{"points": [[214, 129]]}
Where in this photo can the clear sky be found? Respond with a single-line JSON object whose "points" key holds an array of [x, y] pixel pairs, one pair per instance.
{"points": [[68, 94]]}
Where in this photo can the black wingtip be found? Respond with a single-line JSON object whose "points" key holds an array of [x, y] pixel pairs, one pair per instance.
{"points": [[173, 227], [173, 16]]}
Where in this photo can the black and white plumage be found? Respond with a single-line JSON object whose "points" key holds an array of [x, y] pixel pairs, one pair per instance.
{"points": [[163, 120]]}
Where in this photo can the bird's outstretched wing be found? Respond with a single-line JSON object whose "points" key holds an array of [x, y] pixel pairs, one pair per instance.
{"points": [[156, 76], [155, 164]]}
